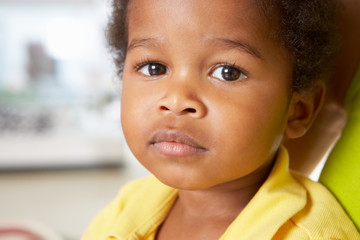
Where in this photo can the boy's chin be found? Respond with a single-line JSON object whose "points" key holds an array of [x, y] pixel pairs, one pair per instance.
{"points": [[184, 183]]}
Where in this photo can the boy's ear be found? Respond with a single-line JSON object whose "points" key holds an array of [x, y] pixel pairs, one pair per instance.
{"points": [[304, 107]]}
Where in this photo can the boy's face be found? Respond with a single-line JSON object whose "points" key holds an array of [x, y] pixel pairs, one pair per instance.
{"points": [[206, 92]]}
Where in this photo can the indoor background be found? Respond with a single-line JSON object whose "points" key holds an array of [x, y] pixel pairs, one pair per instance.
{"points": [[62, 153]]}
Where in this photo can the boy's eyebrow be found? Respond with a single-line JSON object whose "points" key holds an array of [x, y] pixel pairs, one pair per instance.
{"points": [[144, 42], [242, 45]]}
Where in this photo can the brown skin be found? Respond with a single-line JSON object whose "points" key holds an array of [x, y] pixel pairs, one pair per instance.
{"points": [[307, 151], [214, 140]]}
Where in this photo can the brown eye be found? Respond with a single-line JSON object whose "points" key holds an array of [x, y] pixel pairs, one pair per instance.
{"points": [[228, 73], [153, 69]]}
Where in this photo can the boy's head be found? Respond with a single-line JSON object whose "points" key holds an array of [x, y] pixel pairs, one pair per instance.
{"points": [[207, 88]]}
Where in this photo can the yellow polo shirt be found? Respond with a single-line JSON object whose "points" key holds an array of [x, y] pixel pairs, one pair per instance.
{"points": [[286, 206]]}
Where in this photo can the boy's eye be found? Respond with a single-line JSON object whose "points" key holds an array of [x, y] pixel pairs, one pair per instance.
{"points": [[228, 73], [153, 69]]}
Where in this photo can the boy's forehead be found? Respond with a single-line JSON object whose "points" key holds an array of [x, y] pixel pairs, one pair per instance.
{"points": [[197, 12], [234, 24], [217, 17]]}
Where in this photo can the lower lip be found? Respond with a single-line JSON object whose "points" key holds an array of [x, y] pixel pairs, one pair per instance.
{"points": [[177, 149]]}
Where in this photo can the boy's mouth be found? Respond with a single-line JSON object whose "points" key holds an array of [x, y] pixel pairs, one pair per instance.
{"points": [[175, 143]]}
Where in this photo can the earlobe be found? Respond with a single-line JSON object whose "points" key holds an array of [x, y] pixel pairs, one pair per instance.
{"points": [[303, 109]]}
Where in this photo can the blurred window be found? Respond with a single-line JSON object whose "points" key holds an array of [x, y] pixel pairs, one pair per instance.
{"points": [[59, 103]]}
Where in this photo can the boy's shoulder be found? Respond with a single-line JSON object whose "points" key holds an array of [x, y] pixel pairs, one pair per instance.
{"points": [[322, 215], [139, 205]]}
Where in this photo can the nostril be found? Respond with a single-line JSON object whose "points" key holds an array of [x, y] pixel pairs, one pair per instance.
{"points": [[184, 111], [163, 108], [190, 110]]}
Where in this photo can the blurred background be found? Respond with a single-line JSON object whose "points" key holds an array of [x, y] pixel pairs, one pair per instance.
{"points": [[62, 153]]}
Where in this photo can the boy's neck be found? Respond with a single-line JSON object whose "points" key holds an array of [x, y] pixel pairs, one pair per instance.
{"points": [[227, 199]]}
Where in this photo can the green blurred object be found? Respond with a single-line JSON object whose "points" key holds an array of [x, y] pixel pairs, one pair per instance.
{"points": [[341, 174]]}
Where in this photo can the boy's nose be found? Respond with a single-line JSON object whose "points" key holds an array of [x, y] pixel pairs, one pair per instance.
{"points": [[182, 100]]}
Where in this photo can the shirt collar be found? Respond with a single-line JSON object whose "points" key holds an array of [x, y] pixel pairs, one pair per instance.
{"points": [[145, 211], [278, 199]]}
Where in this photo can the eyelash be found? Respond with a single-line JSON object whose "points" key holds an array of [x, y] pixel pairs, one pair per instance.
{"points": [[233, 65], [144, 62]]}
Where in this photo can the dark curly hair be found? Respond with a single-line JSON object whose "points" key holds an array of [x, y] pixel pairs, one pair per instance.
{"points": [[306, 28]]}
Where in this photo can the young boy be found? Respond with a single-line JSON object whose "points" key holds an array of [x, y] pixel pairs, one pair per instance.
{"points": [[210, 89]]}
